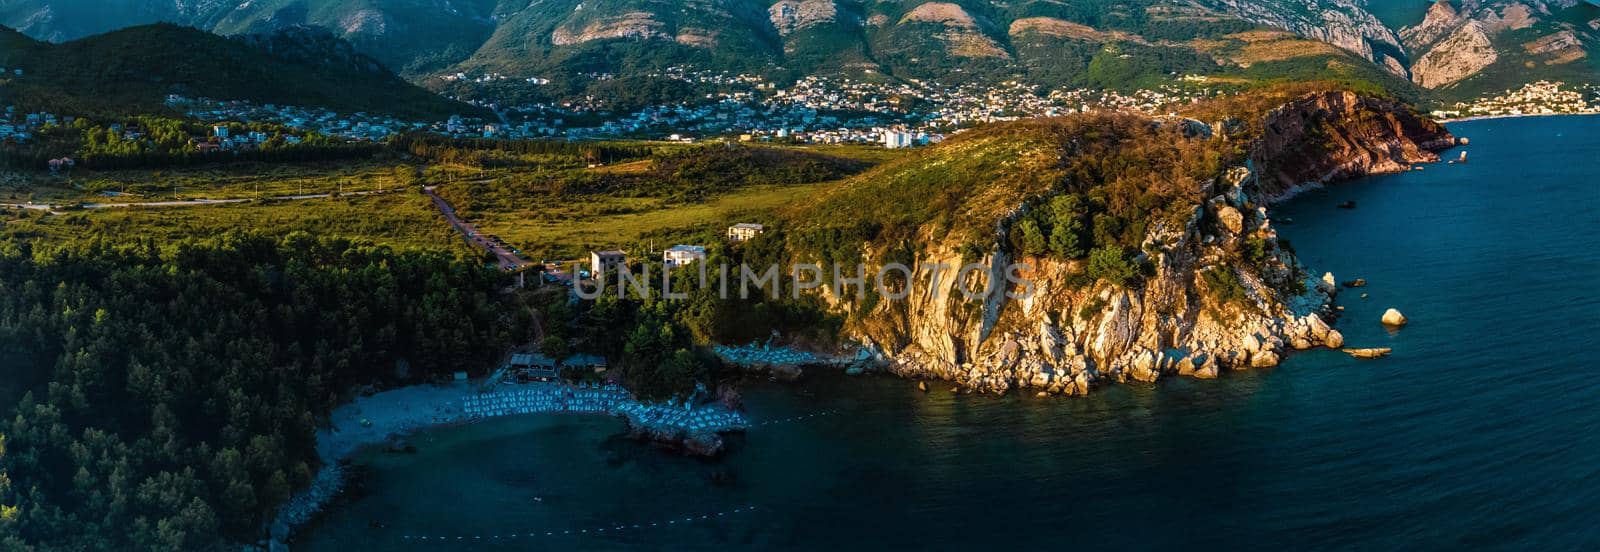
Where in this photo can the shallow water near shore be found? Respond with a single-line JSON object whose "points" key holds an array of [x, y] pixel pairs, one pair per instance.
{"points": [[1478, 431]]}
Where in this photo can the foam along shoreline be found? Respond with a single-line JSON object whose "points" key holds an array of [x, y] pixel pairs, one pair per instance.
{"points": [[376, 419]]}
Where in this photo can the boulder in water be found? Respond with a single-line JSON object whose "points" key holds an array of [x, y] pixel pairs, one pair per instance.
{"points": [[1393, 317], [1378, 352], [1264, 359]]}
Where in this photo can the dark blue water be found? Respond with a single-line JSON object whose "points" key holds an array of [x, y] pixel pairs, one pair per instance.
{"points": [[1480, 430]]}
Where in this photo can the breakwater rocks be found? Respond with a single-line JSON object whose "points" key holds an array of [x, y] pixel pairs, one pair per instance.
{"points": [[307, 504]]}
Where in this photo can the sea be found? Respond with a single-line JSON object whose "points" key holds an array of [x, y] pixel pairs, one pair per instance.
{"points": [[1482, 430]]}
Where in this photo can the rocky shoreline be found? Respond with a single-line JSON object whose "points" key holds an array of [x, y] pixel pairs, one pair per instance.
{"points": [[1047, 345], [1203, 311]]}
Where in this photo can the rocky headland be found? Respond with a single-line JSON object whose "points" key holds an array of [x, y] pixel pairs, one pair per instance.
{"points": [[1219, 291]]}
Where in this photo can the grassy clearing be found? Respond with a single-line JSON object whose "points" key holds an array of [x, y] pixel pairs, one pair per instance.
{"points": [[555, 210], [564, 229], [398, 220], [245, 180]]}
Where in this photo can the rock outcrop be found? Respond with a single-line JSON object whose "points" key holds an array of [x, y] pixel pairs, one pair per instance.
{"points": [[1199, 311], [789, 16], [1461, 55], [964, 35], [1343, 23], [638, 25], [1455, 42], [1068, 339], [1334, 136], [1441, 19]]}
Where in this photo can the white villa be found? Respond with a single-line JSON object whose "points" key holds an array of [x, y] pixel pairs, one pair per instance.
{"points": [[680, 255], [601, 262], [744, 231]]}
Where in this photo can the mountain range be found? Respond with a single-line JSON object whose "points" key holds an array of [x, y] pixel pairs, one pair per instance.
{"points": [[1454, 47]]}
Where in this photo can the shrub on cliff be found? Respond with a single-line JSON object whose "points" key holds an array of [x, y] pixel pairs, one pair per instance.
{"points": [[1111, 264]]}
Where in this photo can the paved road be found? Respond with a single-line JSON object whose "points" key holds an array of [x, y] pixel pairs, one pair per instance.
{"points": [[504, 258]]}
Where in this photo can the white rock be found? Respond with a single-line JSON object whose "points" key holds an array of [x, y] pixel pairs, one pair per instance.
{"points": [[1250, 343], [1264, 359], [1393, 317], [1334, 340], [1319, 329]]}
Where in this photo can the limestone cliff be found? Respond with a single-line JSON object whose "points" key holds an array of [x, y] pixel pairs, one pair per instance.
{"points": [[789, 16], [1441, 19], [1455, 42], [1218, 291], [1343, 23], [1462, 54]]}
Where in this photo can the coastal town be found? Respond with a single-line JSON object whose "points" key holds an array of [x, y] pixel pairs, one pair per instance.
{"points": [[819, 109], [812, 110], [1536, 98]]}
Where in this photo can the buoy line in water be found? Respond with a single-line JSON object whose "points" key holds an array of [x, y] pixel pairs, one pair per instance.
{"points": [[619, 528], [793, 419]]}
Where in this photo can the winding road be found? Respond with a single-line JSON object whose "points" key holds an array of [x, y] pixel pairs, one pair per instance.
{"points": [[504, 258]]}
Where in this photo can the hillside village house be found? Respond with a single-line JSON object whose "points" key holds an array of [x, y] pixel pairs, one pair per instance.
{"points": [[680, 255], [744, 231], [601, 262]]}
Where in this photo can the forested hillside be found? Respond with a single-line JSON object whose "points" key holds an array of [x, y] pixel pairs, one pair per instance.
{"points": [[133, 70], [185, 381]]}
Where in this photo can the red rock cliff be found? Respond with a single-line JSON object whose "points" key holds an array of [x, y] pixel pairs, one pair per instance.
{"points": [[1331, 136]]}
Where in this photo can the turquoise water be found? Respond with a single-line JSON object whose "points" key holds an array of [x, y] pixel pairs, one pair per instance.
{"points": [[1479, 431]]}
